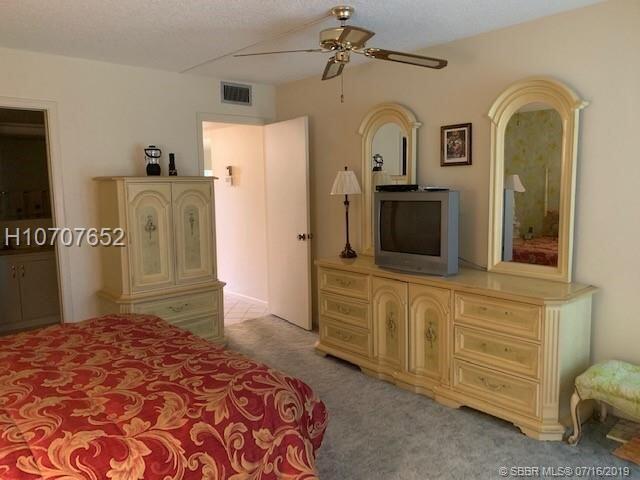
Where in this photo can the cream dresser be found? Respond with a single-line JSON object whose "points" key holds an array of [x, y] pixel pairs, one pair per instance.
{"points": [[506, 345], [168, 264]]}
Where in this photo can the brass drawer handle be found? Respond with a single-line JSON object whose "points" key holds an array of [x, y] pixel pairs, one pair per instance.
{"points": [[391, 325], [493, 386], [345, 337], [179, 308], [344, 283], [344, 310]]}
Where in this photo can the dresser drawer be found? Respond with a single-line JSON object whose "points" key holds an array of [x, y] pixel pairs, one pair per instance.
{"points": [[345, 283], [345, 337], [180, 307], [514, 318], [205, 327], [345, 309], [514, 394], [503, 353]]}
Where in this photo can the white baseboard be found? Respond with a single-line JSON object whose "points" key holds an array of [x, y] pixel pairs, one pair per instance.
{"points": [[247, 297]]}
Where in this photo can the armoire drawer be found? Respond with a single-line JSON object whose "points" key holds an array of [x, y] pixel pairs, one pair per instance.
{"points": [[497, 351], [205, 327], [345, 337], [181, 307], [500, 389], [345, 283], [345, 309], [514, 318]]}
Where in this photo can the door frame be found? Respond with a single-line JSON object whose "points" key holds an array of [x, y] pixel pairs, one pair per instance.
{"points": [[203, 117], [56, 185]]}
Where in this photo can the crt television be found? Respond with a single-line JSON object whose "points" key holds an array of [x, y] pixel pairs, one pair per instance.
{"points": [[417, 231]]}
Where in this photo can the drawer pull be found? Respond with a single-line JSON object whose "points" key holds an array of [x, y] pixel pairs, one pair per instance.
{"points": [[344, 310], [508, 350], [344, 283], [179, 308], [346, 337], [493, 386]]}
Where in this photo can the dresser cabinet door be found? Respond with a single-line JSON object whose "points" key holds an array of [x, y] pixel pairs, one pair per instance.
{"points": [[39, 291], [150, 236], [10, 312], [428, 320], [192, 211], [390, 322]]}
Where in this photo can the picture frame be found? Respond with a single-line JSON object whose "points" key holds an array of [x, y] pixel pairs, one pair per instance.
{"points": [[456, 145]]}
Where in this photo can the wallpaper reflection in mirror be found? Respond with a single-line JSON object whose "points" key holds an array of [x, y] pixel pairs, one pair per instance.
{"points": [[533, 153]]}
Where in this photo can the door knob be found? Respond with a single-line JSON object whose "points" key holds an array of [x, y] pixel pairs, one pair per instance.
{"points": [[302, 236]]}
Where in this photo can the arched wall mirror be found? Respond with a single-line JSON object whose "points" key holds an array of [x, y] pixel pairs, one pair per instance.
{"points": [[534, 136], [388, 157]]}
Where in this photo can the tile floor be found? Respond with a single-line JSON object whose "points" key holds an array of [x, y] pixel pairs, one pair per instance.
{"points": [[238, 309]]}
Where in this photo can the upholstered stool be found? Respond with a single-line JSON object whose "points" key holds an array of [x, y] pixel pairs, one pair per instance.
{"points": [[613, 383]]}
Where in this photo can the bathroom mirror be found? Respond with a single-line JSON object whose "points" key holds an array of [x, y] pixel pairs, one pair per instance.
{"points": [[388, 157], [534, 139]]}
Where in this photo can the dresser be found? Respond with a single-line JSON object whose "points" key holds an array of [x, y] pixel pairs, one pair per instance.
{"points": [[505, 345], [167, 266]]}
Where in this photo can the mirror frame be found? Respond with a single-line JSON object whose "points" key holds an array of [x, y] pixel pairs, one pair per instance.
{"points": [[378, 116], [568, 105]]}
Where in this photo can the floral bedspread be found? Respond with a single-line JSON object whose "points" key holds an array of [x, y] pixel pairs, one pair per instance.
{"points": [[127, 397]]}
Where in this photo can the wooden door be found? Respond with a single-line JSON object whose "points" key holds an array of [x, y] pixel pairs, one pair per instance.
{"points": [[193, 216], [150, 236], [390, 322], [288, 242], [428, 323], [39, 291], [10, 313]]}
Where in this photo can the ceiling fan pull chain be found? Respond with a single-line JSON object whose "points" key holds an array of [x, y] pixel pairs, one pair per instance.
{"points": [[341, 88]]}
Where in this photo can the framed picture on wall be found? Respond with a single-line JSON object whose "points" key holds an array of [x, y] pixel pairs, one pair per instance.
{"points": [[455, 145]]}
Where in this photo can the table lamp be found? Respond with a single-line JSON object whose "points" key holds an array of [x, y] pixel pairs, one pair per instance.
{"points": [[346, 184]]}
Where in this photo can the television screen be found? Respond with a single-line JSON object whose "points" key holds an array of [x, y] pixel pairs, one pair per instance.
{"points": [[410, 227]]}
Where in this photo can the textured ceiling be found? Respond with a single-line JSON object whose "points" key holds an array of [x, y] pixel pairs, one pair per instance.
{"points": [[177, 34]]}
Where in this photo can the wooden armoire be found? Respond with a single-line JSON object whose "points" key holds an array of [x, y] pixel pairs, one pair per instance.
{"points": [[167, 266]]}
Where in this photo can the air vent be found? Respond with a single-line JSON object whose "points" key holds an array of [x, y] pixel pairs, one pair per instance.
{"points": [[236, 93]]}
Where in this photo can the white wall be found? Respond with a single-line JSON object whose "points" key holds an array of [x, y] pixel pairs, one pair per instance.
{"points": [[240, 208], [107, 113], [594, 50]]}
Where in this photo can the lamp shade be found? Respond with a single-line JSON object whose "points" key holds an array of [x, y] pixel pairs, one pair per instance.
{"points": [[512, 182], [345, 183]]}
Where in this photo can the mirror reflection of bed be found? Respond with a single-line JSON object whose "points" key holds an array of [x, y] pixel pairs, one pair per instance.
{"points": [[532, 169]]}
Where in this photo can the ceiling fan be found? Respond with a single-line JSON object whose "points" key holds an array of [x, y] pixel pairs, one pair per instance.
{"points": [[346, 39]]}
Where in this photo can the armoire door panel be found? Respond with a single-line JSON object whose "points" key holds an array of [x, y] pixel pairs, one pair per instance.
{"points": [[10, 310], [390, 322], [428, 321], [150, 235], [193, 214]]}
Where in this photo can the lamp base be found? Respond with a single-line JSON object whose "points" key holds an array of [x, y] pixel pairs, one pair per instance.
{"points": [[348, 252]]}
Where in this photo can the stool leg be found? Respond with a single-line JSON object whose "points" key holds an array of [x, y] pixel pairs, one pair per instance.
{"points": [[603, 412], [574, 438]]}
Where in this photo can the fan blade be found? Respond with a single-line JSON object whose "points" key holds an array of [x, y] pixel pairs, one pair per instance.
{"points": [[338, 37], [356, 36], [308, 50], [408, 58], [333, 69]]}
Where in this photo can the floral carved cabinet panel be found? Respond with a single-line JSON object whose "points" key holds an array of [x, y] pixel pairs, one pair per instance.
{"points": [[150, 235], [192, 210], [390, 320], [428, 320]]}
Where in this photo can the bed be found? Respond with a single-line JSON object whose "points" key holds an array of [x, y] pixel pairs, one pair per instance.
{"points": [[537, 251], [131, 397]]}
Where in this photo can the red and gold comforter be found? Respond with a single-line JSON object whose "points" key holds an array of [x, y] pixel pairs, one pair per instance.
{"points": [[127, 397]]}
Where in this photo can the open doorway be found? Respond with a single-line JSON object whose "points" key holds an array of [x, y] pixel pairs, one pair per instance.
{"points": [[29, 286], [262, 215], [235, 154]]}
